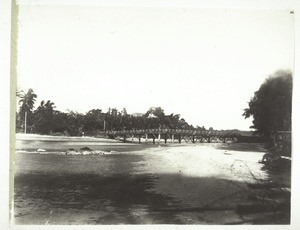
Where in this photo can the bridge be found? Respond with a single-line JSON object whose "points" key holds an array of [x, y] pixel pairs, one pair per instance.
{"points": [[175, 135]]}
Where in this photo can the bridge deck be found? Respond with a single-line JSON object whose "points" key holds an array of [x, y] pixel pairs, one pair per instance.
{"points": [[173, 134]]}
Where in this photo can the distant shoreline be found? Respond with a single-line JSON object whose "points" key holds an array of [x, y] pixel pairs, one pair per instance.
{"points": [[30, 143]]}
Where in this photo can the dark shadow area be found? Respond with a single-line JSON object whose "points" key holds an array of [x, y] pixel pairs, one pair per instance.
{"points": [[114, 195], [247, 147], [127, 199]]}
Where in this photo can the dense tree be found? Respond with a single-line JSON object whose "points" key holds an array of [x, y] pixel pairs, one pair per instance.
{"points": [[94, 120], [200, 128], [155, 112], [156, 116], [271, 105], [59, 122], [43, 117], [75, 123], [113, 119], [183, 124], [172, 121]]}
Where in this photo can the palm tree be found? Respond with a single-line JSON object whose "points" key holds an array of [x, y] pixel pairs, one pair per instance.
{"points": [[27, 101]]}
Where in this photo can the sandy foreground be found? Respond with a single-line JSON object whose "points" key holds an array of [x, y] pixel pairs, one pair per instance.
{"points": [[160, 184], [206, 182]]}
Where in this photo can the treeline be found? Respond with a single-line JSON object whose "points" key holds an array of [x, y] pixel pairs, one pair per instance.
{"points": [[45, 119]]}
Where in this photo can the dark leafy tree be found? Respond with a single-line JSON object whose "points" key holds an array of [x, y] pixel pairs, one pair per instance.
{"points": [[183, 124], [200, 128], [271, 105], [156, 116], [43, 117], [94, 120], [113, 119], [75, 123], [172, 121], [59, 122]]}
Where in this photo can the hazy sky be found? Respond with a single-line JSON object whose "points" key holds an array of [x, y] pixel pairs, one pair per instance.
{"points": [[202, 64]]}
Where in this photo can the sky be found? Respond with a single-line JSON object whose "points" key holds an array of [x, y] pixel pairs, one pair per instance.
{"points": [[204, 64]]}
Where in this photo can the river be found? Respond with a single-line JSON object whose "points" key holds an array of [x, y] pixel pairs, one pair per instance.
{"points": [[161, 184]]}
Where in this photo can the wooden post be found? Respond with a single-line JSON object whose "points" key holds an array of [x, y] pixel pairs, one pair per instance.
{"points": [[139, 138], [165, 138], [193, 138], [179, 139], [25, 122]]}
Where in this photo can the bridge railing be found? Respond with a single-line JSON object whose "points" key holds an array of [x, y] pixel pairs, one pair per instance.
{"points": [[174, 132]]}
